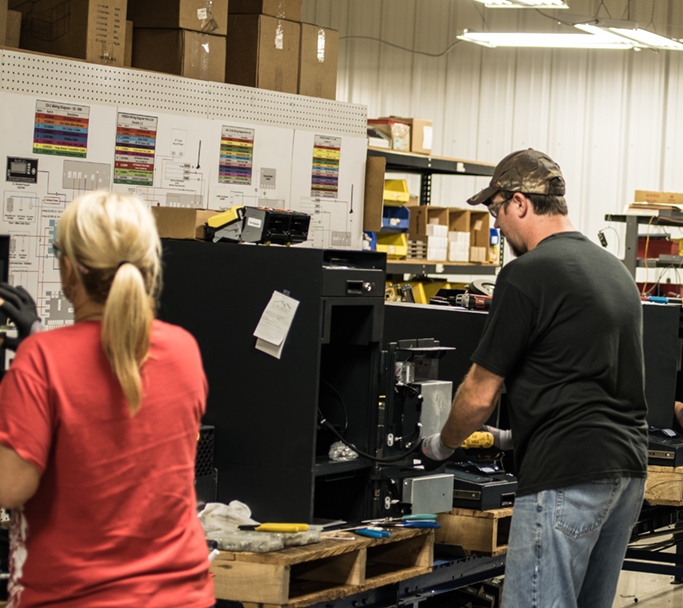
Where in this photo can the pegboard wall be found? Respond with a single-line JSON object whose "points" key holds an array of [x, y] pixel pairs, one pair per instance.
{"points": [[78, 81]]}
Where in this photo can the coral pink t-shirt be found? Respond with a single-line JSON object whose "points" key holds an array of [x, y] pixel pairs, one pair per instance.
{"points": [[113, 522]]}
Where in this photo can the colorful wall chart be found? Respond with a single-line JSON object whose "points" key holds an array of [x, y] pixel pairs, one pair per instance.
{"points": [[325, 178], [136, 138], [237, 156], [61, 129]]}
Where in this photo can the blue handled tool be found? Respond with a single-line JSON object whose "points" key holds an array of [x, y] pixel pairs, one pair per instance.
{"points": [[419, 524], [372, 533]]}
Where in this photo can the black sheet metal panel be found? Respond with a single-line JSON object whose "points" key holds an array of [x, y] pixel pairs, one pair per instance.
{"points": [[265, 410], [450, 325], [661, 351]]}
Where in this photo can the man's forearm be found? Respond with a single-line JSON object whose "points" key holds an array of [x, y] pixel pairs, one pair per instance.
{"points": [[474, 401]]}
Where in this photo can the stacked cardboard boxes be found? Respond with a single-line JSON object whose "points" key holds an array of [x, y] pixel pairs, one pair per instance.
{"points": [[182, 37], [453, 235], [405, 134], [93, 30], [269, 48]]}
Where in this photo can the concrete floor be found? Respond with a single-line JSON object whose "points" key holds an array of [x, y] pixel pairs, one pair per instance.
{"points": [[647, 591]]}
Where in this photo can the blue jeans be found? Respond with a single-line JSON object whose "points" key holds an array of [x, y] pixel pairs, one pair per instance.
{"points": [[567, 546]]}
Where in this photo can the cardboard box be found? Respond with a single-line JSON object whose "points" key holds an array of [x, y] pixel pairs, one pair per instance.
{"points": [[480, 236], [659, 198], [422, 215], [128, 49], [181, 222], [421, 134], [318, 58], [374, 193], [282, 9], [263, 52], [13, 29], [195, 15], [398, 132], [94, 30], [182, 52], [4, 24]]}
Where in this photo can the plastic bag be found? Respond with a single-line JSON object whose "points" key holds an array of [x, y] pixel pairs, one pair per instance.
{"points": [[340, 452], [218, 517]]}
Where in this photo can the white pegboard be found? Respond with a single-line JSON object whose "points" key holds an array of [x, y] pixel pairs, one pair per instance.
{"points": [[77, 81], [261, 106]]}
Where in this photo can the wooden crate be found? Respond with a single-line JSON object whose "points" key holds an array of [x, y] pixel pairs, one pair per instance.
{"points": [[325, 571], [477, 532], [664, 486]]}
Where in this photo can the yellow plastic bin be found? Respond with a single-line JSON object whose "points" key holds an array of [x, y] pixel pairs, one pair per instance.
{"points": [[395, 245]]}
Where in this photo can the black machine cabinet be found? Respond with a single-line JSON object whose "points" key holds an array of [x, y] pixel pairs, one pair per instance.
{"points": [[270, 449]]}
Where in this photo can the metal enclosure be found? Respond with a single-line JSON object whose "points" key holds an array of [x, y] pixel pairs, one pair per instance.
{"points": [[270, 451]]}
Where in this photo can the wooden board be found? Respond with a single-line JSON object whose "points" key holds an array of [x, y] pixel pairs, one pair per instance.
{"points": [[477, 532], [664, 486], [301, 576]]}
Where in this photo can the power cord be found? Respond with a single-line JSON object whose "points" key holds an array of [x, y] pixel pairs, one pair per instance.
{"points": [[348, 444]]}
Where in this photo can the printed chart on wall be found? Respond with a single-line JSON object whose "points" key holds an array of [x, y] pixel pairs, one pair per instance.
{"points": [[254, 167], [162, 159], [325, 175], [136, 138], [61, 129], [324, 184], [237, 156]]}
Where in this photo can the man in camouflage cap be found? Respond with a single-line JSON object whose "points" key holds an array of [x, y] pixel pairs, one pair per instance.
{"points": [[564, 334]]}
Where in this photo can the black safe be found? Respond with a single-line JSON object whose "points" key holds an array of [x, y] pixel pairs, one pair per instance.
{"points": [[271, 450]]}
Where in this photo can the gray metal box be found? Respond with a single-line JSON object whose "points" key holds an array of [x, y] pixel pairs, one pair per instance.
{"points": [[429, 493], [436, 404]]}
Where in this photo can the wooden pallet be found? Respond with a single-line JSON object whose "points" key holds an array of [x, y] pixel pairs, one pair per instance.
{"points": [[664, 486], [325, 571], [477, 532]]}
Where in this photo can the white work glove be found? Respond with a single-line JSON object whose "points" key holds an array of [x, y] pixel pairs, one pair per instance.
{"points": [[434, 449], [502, 439]]}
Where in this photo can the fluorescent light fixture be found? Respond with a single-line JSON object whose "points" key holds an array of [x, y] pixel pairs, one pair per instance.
{"points": [[639, 38], [524, 3], [598, 34], [561, 41]]}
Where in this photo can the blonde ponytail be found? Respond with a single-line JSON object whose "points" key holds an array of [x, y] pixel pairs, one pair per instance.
{"points": [[126, 327], [113, 241]]}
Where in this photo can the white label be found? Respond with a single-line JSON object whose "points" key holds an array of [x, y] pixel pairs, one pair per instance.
{"points": [[427, 132], [321, 45], [279, 36], [202, 14], [398, 143], [254, 222]]}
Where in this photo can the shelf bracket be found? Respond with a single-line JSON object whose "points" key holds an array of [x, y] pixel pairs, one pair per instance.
{"points": [[631, 249], [426, 189]]}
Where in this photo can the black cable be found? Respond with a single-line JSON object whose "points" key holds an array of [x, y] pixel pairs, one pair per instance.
{"points": [[348, 444], [402, 48], [341, 402]]}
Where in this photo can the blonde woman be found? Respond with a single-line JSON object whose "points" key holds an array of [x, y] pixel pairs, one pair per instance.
{"points": [[98, 430]]}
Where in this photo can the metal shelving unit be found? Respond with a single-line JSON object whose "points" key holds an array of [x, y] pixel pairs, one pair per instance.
{"points": [[664, 218], [426, 166]]}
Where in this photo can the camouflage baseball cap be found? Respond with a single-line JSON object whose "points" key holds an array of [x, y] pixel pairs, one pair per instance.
{"points": [[525, 171]]}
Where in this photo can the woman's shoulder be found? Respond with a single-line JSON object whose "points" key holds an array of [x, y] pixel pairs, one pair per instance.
{"points": [[168, 332]]}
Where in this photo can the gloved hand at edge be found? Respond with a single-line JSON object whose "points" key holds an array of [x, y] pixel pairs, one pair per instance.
{"points": [[502, 439], [20, 308], [432, 447]]}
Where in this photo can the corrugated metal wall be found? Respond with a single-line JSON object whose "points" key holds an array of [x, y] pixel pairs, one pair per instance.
{"points": [[609, 118]]}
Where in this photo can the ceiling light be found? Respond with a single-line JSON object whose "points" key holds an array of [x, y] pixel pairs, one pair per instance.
{"points": [[524, 3], [639, 38], [565, 41]]}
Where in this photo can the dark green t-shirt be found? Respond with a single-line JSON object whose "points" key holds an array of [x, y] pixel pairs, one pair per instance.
{"points": [[565, 331]]}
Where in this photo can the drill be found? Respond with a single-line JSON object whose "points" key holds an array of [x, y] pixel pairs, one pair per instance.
{"points": [[473, 301]]}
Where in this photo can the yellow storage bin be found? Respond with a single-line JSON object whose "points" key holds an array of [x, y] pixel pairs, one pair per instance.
{"points": [[393, 244], [396, 192]]}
